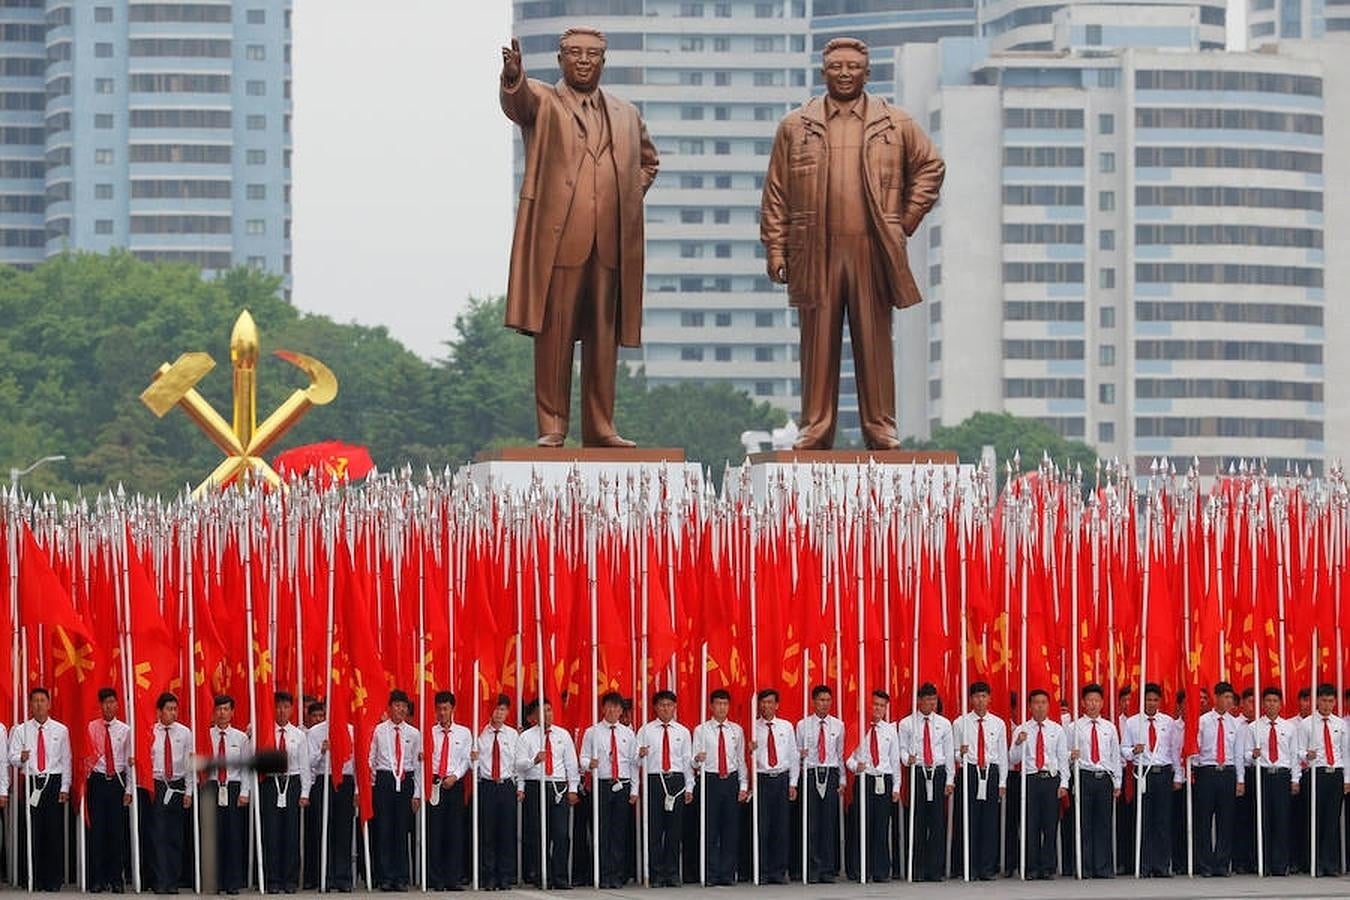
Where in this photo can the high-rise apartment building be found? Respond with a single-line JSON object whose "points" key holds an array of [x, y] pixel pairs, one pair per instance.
{"points": [[163, 128], [1282, 20]]}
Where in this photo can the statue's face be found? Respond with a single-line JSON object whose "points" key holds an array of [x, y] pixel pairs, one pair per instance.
{"points": [[582, 59], [846, 72]]}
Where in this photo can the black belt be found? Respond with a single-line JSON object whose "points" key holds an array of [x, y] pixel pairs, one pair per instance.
{"points": [[725, 777], [1042, 774], [1328, 770], [1155, 770], [1093, 773], [1215, 768], [105, 776], [176, 785], [772, 774]]}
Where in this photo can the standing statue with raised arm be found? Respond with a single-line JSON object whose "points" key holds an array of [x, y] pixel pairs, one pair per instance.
{"points": [[576, 258], [850, 179]]}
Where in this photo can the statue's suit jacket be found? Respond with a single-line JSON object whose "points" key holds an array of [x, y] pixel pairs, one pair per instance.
{"points": [[552, 128]]}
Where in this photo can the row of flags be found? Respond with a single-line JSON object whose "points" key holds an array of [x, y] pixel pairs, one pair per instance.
{"points": [[347, 593]]}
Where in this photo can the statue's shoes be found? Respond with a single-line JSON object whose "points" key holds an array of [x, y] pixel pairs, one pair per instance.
{"points": [[612, 440], [550, 440]]}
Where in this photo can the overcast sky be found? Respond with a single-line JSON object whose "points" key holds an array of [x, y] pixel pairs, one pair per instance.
{"points": [[402, 163], [403, 160]]}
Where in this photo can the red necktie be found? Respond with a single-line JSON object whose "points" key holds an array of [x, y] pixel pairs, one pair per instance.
{"points": [[222, 775], [445, 753], [108, 766], [1274, 745], [548, 755], [1096, 747], [1040, 747], [281, 742], [927, 744], [820, 743], [665, 746], [1152, 736], [1326, 741], [613, 753], [980, 758], [41, 751], [398, 755], [876, 748], [168, 757], [1221, 751], [773, 748], [722, 751], [496, 755]]}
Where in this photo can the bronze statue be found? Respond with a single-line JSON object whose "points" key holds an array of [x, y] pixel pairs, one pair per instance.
{"points": [[876, 175], [576, 257]]}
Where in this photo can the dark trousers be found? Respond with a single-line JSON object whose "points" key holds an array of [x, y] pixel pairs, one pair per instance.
{"points": [[822, 822], [1012, 831], [311, 834], [1155, 805], [497, 811], [280, 831], [108, 833], [167, 821], [1127, 805], [984, 819], [393, 822], [1042, 821], [724, 826], [876, 810], [616, 815], [1327, 819], [1244, 827], [1215, 793], [774, 833], [1302, 823], [339, 805], [1276, 802], [445, 839], [928, 823], [549, 835], [231, 835], [48, 834], [582, 305], [1095, 798], [665, 828]]}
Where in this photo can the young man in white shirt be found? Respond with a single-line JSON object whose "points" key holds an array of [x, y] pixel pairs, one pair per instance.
{"points": [[821, 738], [1277, 749], [547, 762], [336, 801], [719, 754], [982, 766], [666, 749], [395, 754], [282, 796], [777, 768], [609, 752], [1326, 746], [40, 747], [876, 763], [1096, 748], [170, 751], [227, 787], [1042, 750], [448, 744], [1219, 779], [1149, 744], [109, 795], [926, 747], [495, 756]]}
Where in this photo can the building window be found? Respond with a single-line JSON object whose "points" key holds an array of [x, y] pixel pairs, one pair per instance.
{"points": [[722, 354], [764, 319], [255, 157], [256, 88], [763, 354], [691, 354], [257, 262], [103, 85], [721, 216], [722, 10], [722, 320], [1106, 317], [103, 192], [691, 113], [256, 16], [103, 156], [1106, 432], [690, 250], [721, 148], [691, 147], [1106, 393], [691, 216], [763, 388], [691, 182], [691, 10], [691, 319], [721, 113], [1106, 239], [256, 123], [103, 120], [1106, 163], [255, 227], [1093, 38], [1106, 78], [1106, 201], [103, 14], [257, 192], [1106, 279], [1106, 355], [255, 52], [722, 45], [1106, 123], [103, 50], [722, 251], [103, 226], [722, 79]]}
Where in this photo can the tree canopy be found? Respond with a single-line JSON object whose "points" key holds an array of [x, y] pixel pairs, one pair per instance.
{"points": [[1008, 435]]}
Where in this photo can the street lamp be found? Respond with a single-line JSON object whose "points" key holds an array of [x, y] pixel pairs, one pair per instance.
{"points": [[16, 474]]}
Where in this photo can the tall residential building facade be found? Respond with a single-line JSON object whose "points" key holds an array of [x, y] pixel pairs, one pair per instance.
{"points": [[166, 130], [1130, 242], [712, 80], [1284, 20]]}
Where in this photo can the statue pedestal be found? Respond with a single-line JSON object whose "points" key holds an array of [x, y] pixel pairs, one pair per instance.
{"points": [[816, 476], [615, 471]]}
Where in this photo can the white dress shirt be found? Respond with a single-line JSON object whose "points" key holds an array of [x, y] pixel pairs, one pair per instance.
{"points": [[385, 758], [1108, 747], [1288, 742], [297, 757], [566, 766], [652, 736], [1162, 751], [887, 761], [56, 740], [4, 770], [237, 748], [911, 731], [1314, 741], [319, 760], [1236, 733], [808, 739], [507, 740], [180, 748], [788, 757], [966, 733], [1056, 749], [596, 746], [706, 742], [454, 742], [99, 732]]}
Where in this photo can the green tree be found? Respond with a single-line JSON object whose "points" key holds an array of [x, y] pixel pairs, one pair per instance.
{"points": [[1008, 434]]}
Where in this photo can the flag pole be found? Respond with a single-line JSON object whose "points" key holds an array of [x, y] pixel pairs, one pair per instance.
{"points": [[863, 694], [190, 603], [1022, 551], [541, 693], [965, 706], [917, 592], [592, 576], [703, 781], [1073, 674], [754, 702], [246, 545], [119, 552], [410, 541], [474, 825], [329, 540]]}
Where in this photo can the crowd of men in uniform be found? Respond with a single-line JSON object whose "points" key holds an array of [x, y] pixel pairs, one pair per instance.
{"points": [[1052, 795]]}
